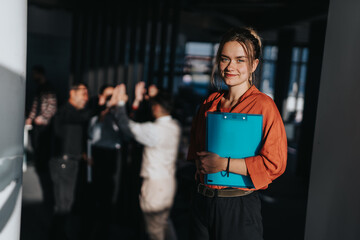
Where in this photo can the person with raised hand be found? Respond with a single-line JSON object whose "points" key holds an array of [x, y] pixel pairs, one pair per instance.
{"points": [[161, 142], [141, 109]]}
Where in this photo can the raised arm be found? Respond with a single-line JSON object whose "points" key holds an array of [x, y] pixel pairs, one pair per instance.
{"points": [[144, 133], [139, 94]]}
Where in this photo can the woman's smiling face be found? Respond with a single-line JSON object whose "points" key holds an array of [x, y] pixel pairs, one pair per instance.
{"points": [[234, 65]]}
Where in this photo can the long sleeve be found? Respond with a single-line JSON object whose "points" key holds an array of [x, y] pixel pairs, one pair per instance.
{"points": [[271, 161], [48, 106], [70, 130], [193, 146], [32, 113], [198, 127], [80, 116], [122, 120], [144, 133]]}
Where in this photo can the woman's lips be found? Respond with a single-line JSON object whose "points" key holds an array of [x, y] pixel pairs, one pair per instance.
{"points": [[229, 75]]}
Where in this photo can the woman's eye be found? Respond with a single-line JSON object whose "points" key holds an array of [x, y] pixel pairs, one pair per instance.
{"points": [[240, 60], [224, 59]]}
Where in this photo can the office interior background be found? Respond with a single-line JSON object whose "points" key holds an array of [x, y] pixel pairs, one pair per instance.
{"points": [[173, 43]]}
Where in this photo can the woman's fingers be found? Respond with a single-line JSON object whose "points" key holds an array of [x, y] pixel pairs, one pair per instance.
{"points": [[208, 162], [202, 154]]}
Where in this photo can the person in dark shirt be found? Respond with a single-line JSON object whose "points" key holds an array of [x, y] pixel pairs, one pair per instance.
{"points": [[69, 124], [107, 140], [69, 147]]}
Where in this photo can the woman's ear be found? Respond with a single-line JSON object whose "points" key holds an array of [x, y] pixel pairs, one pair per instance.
{"points": [[254, 65]]}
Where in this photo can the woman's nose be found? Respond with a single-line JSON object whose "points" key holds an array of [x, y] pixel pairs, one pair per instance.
{"points": [[230, 65]]}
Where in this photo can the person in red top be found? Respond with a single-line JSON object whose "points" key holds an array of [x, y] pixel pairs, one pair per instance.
{"points": [[224, 213]]}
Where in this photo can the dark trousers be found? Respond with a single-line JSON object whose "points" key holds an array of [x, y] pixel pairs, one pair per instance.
{"points": [[226, 218], [64, 173], [40, 140], [104, 170]]}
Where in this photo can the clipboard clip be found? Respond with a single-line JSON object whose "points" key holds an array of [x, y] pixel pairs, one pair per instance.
{"points": [[237, 117]]}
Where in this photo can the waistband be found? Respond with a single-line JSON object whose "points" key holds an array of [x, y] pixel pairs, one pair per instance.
{"points": [[68, 157], [228, 192]]}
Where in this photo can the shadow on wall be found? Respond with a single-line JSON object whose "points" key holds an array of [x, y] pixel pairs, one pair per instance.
{"points": [[12, 101]]}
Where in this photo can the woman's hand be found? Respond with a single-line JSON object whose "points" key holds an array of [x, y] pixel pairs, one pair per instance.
{"points": [[211, 162]]}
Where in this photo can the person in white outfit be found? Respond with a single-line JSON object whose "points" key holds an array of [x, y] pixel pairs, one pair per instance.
{"points": [[161, 142]]}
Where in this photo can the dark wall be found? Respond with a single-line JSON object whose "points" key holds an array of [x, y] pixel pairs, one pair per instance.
{"points": [[333, 204], [116, 44], [49, 45]]}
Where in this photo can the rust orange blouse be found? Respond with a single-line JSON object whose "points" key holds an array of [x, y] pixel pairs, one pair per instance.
{"points": [[271, 161]]}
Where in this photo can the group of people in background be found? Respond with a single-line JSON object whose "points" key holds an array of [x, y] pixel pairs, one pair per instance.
{"points": [[96, 134]]}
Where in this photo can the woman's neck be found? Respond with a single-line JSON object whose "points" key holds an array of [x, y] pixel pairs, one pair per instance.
{"points": [[231, 99], [236, 92]]}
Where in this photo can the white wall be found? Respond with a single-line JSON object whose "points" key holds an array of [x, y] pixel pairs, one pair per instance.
{"points": [[334, 194], [13, 22]]}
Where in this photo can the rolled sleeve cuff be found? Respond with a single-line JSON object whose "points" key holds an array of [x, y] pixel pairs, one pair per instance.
{"points": [[257, 172]]}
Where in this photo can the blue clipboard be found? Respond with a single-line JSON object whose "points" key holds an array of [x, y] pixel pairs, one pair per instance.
{"points": [[234, 135]]}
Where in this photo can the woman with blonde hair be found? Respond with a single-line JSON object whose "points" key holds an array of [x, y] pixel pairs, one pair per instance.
{"points": [[221, 212]]}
